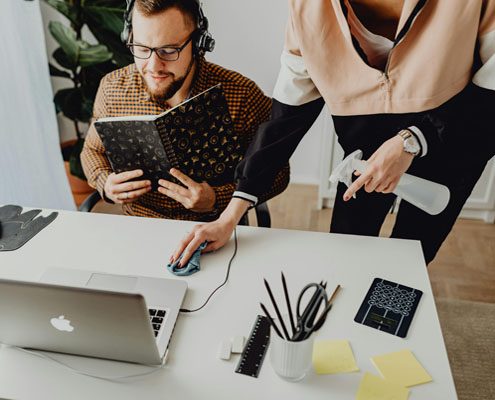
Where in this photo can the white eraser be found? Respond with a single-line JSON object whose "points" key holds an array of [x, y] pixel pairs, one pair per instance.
{"points": [[238, 344], [225, 349]]}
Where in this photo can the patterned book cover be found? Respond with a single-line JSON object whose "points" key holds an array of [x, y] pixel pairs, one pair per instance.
{"points": [[196, 137]]}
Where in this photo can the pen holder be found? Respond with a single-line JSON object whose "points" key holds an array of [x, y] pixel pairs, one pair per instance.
{"points": [[290, 360]]}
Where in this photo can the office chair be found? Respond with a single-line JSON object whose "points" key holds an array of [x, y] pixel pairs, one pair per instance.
{"points": [[261, 210]]}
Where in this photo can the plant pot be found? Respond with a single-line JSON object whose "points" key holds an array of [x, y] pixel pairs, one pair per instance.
{"points": [[79, 187]]}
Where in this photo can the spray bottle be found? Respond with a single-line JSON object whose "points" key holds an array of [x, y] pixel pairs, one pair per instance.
{"points": [[429, 196]]}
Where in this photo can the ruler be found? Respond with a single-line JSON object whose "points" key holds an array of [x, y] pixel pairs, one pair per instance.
{"points": [[255, 349]]}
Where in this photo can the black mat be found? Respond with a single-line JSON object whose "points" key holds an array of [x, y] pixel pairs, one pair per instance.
{"points": [[17, 228], [389, 307]]}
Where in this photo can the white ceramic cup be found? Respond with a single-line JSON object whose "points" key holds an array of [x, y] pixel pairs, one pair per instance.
{"points": [[290, 360]]}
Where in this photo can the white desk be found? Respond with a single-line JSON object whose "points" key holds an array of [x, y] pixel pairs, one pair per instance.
{"points": [[131, 245]]}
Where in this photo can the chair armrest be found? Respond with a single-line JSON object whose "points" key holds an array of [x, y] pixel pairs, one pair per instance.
{"points": [[263, 215], [89, 202]]}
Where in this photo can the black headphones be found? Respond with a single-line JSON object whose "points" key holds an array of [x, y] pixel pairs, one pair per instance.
{"points": [[202, 39]]}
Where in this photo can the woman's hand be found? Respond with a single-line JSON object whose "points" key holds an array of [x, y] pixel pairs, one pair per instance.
{"points": [[385, 168]]}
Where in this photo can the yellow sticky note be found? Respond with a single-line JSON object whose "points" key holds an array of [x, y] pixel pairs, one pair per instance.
{"points": [[375, 388], [402, 368], [333, 357]]}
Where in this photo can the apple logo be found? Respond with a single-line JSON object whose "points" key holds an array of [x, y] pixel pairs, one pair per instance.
{"points": [[62, 324]]}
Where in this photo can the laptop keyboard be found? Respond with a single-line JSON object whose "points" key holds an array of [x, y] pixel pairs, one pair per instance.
{"points": [[156, 318]]}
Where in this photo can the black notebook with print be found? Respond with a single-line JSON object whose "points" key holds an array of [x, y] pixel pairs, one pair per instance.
{"points": [[197, 137]]}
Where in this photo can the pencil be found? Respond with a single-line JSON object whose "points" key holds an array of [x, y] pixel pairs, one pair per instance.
{"points": [[272, 322], [286, 334], [329, 303], [289, 308]]}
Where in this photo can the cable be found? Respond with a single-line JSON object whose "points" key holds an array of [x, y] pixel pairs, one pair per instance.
{"points": [[106, 378], [184, 310]]}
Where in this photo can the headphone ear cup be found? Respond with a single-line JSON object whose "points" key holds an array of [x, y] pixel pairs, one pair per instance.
{"points": [[124, 35], [209, 42], [203, 42]]}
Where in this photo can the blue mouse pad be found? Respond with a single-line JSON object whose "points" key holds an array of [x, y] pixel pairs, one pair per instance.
{"points": [[389, 307]]}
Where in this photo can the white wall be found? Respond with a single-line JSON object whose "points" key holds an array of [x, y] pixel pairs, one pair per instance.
{"points": [[31, 167], [249, 39]]}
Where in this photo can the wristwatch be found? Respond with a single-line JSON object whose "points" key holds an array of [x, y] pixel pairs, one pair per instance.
{"points": [[411, 144]]}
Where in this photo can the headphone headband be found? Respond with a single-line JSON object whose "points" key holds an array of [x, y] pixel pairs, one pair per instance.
{"points": [[203, 41]]}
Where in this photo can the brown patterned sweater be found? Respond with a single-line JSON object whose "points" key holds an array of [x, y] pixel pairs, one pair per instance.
{"points": [[123, 93]]}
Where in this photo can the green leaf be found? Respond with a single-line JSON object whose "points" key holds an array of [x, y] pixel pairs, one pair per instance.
{"points": [[121, 54], [90, 77], [54, 71], [78, 52], [60, 98], [62, 59], [93, 54], [71, 103], [88, 63], [64, 8], [86, 111], [66, 38], [106, 18]]}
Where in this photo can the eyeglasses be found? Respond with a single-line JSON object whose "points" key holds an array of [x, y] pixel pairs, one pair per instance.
{"points": [[165, 53]]}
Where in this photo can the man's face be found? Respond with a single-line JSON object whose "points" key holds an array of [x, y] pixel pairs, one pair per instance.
{"points": [[168, 28]]}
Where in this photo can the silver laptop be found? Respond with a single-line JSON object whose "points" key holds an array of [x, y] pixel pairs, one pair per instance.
{"points": [[126, 318]]}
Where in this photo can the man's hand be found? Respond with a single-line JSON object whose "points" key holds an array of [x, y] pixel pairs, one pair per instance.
{"points": [[216, 233], [120, 191], [197, 197], [385, 168]]}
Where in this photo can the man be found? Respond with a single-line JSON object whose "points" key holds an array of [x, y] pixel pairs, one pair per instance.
{"points": [[167, 39], [411, 83]]}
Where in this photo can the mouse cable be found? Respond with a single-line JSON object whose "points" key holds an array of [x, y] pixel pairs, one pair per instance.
{"points": [[184, 310]]}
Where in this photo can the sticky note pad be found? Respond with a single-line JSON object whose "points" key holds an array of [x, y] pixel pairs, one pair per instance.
{"points": [[333, 357], [402, 368], [375, 388]]}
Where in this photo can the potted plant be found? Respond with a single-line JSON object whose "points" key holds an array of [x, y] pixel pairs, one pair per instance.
{"points": [[84, 63]]}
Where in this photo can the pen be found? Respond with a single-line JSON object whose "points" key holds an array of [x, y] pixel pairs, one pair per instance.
{"points": [[334, 294], [272, 322], [286, 334], [289, 308], [321, 321]]}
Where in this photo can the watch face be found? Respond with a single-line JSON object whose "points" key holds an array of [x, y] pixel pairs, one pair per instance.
{"points": [[411, 145]]}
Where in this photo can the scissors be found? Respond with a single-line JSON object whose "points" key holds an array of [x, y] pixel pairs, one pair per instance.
{"points": [[306, 323]]}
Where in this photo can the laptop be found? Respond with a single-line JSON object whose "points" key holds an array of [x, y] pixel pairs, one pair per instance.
{"points": [[88, 313]]}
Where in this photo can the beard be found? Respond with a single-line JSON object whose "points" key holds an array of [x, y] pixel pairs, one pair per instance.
{"points": [[163, 94]]}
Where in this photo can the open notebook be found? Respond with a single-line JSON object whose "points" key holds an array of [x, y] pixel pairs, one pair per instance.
{"points": [[197, 137]]}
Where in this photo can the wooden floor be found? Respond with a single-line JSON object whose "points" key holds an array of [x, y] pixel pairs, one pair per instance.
{"points": [[464, 268]]}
